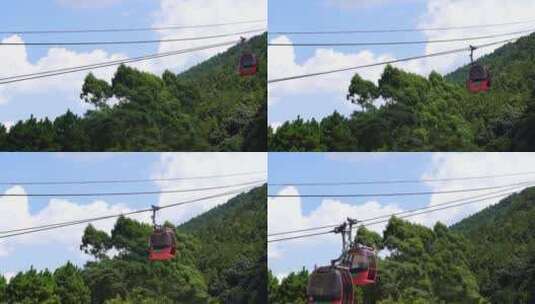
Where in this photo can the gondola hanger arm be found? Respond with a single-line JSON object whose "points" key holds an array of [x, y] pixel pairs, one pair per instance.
{"points": [[472, 49], [154, 210]]}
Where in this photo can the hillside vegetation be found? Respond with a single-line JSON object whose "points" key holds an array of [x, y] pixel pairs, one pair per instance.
{"points": [[502, 248], [207, 108], [210, 267], [429, 114], [486, 258]]}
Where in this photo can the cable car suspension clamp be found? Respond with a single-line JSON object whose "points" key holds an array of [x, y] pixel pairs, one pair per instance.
{"points": [[154, 210]]}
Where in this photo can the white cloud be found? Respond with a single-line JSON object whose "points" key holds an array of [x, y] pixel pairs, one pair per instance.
{"points": [[283, 63], [67, 85], [452, 165], [173, 165], [16, 213], [452, 13]]}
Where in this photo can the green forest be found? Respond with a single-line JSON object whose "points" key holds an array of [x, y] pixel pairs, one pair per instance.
{"points": [[221, 259], [207, 108], [486, 258], [436, 113]]}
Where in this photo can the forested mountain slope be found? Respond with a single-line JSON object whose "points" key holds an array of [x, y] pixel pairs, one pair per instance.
{"points": [[207, 108], [502, 248], [209, 267], [233, 241], [488, 257], [430, 114]]}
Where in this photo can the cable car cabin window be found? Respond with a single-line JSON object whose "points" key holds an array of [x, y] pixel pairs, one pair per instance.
{"points": [[162, 239], [325, 285], [478, 73], [248, 61], [360, 262]]}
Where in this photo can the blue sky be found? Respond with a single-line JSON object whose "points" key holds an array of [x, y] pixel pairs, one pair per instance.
{"points": [[52, 97], [66, 166], [319, 96], [307, 15], [287, 214], [56, 247], [54, 14], [288, 167]]}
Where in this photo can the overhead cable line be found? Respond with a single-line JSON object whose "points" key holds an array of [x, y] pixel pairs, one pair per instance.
{"points": [[388, 62], [401, 30], [98, 194], [402, 181], [63, 71], [477, 198], [383, 43], [123, 42], [138, 29], [127, 181], [299, 236], [23, 231], [425, 211], [393, 194]]}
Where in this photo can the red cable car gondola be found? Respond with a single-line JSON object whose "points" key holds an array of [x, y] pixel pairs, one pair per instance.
{"points": [[357, 266], [162, 242], [330, 284], [248, 64], [479, 77], [363, 265]]}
